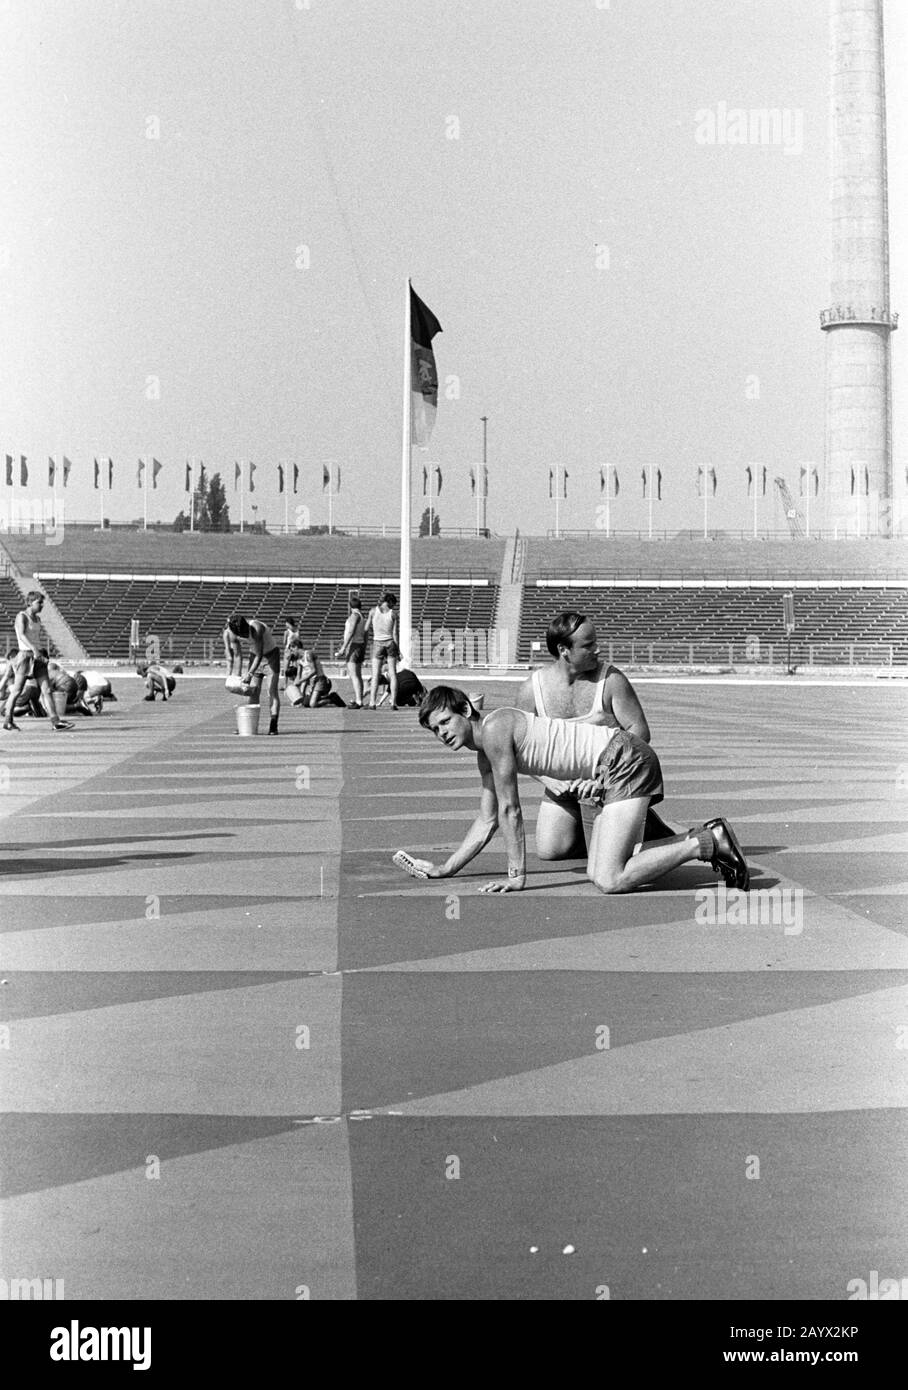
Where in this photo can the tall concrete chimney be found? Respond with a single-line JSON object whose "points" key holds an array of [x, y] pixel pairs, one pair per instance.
{"points": [[858, 323]]}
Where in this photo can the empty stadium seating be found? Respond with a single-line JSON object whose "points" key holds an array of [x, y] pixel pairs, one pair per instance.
{"points": [[703, 615], [122, 551]]}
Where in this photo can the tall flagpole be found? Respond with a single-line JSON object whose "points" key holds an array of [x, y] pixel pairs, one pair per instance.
{"points": [[145, 494], [651, 501], [287, 501], [101, 466], [756, 490], [242, 496], [608, 500], [191, 463], [705, 503], [406, 607]]}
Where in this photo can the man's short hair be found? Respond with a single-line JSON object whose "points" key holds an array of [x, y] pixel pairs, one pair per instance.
{"points": [[34, 594], [445, 697], [356, 602], [390, 599], [238, 626], [561, 629]]}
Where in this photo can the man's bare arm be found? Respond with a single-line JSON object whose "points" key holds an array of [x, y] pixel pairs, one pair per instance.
{"points": [[498, 743], [483, 828], [625, 706]]}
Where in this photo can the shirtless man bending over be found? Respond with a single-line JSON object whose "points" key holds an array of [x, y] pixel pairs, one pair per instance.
{"points": [[604, 764]]}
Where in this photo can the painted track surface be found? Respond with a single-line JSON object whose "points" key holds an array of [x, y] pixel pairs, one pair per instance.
{"points": [[246, 1056]]}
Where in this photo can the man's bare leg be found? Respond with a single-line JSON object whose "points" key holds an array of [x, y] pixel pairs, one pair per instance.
{"points": [[614, 867], [559, 828]]}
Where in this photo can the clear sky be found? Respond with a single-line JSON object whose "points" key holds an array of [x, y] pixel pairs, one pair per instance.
{"points": [[490, 151]]}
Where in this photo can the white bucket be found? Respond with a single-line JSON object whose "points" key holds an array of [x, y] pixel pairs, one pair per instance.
{"points": [[247, 720]]}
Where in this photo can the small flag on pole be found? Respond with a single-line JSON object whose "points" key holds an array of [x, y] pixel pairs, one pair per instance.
{"points": [[748, 473], [326, 478], [473, 482], [51, 471], [438, 481], [296, 477], [551, 483], [237, 475], [338, 488], [252, 468], [280, 477], [23, 469], [155, 470], [658, 484], [66, 470], [189, 477], [643, 477], [9, 470], [97, 475], [425, 482], [140, 473], [423, 374], [714, 480]]}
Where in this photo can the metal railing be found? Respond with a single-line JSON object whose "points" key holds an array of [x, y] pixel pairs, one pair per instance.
{"points": [[753, 652]]}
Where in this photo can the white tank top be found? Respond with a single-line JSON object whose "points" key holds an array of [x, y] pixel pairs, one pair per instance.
{"points": [[383, 624], [597, 714], [561, 748], [32, 632]]}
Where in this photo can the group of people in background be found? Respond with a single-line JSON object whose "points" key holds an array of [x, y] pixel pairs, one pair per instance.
{"points": [[299, 664], [33, 685]]}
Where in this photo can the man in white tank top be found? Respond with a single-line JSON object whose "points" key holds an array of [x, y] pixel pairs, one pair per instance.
{"points": [[30, 661], [580, 686], [606, 763]]}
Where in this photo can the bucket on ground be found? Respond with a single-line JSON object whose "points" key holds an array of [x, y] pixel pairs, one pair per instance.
{"points": [[247, 720]]}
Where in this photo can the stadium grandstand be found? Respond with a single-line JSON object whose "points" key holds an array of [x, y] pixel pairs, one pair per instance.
{"points": [[664, 603]]}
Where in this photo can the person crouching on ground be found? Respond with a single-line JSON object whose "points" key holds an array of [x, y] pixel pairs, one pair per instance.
{"points": [[610, 766]]}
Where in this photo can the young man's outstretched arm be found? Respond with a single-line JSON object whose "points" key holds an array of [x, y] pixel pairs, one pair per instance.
{"points": [[498, 745], [479, 834]]}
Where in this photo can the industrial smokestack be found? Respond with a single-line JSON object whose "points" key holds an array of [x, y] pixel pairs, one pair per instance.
{"points": [[859, 321]]}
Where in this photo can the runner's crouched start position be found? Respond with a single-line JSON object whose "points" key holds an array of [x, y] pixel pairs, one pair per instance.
{"points": [[607, 765]]}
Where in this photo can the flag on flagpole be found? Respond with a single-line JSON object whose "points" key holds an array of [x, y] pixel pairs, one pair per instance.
{"points": [[643, 477], [338, 488], [699, 482], [617, 485], [658, 484], [748, 473], [23, 470], [326, 478], [189, 477], [280, 477], [9, 470], [110, 473], [602, 480], [296, 477], [97, 475], [237, 475], [472, 482], [140, 473], [485, 481], [551, 483], [155, 470], [252, 468], [51, 471], [423, 374], [565, 483], [438, 481], [425, 482], [66, 469], [714, 480]]}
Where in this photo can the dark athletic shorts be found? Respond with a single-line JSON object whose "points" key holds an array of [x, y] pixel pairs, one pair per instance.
{"points": [[357, 652], [630, 768], [35, 666], [380, 649]]}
